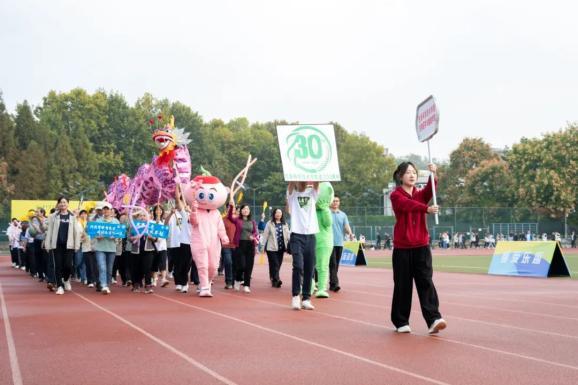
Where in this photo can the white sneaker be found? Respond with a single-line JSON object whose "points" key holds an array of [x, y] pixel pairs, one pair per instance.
{"points": [[59, 291], [437, 325], [185, 288], [307, 305], [23, 268], [296, 302], [13, 265], [170, 275], [246, 289], [67, 285], [403, 329], [155, 280], [90, 285], [237, 285], [205, 292], [178, 287], [113, 281], [105, 291]]}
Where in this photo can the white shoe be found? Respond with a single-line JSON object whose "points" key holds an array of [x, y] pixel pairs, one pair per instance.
{"points": [[437, 325], [60, 291], [403, 329], [105, 290], [237, 285], [307, 305], [205, 292], [246, 289], [90, 285], [296, 302], [77, 280], [170, 275], [178, 287], [23, 268], [113, 281], [67, 285], [155, 282], [185, 288]]}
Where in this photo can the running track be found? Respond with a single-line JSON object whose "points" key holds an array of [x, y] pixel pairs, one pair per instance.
{"points": [[501, 331]]}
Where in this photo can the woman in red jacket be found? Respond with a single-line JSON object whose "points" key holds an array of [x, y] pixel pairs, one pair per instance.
{"points": [[411, 258]]}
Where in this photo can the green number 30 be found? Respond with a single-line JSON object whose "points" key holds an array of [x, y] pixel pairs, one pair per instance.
{"points": [[307, 147]]}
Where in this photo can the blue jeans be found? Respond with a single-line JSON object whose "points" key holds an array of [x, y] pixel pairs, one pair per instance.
{"points": [[228, 264], [79, 265], [105, 260]]}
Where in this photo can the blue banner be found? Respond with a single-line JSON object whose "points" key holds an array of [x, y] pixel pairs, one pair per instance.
{"points": [[352, 254], [155, 230], [528, 259], [106, 230]]}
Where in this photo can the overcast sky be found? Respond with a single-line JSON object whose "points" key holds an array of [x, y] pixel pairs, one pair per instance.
{"points": [[499, 70]]}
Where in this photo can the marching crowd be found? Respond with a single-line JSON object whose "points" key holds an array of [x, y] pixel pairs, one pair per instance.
{"points": [[57, 249]]}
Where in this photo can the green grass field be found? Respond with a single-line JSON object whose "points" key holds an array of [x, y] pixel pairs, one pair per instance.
{"points": [[468, 263]]}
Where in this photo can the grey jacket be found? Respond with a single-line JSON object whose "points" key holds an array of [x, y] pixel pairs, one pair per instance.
{"points": [[270, 237], [74, 232]]}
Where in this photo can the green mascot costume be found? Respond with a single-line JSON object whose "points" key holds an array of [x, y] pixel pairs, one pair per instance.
{"points": [[324, 238]]}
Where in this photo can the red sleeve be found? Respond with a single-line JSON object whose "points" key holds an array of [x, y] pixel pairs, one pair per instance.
{"points": [[425, 194], [402, 203], [230, 213]]}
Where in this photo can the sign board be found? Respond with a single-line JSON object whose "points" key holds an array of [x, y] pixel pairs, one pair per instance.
{"points": [[308, 152], [106, 230], [529, 259], [155, 230], [353, 254], [427, 119], [19, 208]]}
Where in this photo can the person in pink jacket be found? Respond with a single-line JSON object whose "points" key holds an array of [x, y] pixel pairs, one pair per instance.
{"points": [[205, 194]]}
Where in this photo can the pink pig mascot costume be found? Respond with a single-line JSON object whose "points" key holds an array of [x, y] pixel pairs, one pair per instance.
{"points": [[205, 194]]}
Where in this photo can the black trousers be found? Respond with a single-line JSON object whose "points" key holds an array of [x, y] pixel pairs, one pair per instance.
{"points": [[172, 256], [411, 265], [243, 261], [40, 260], [91, 267], [302, 248], [14, 255], [124, 266], [275, 260], [334, 266], [141, 268], [63, 264], [31, 258], [184, 264]]}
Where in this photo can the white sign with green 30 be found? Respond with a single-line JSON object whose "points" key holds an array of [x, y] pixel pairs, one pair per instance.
{"points": [[308, 152]]}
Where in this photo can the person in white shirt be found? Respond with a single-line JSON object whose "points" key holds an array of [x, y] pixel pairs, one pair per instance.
{"points": [[301, 199]]}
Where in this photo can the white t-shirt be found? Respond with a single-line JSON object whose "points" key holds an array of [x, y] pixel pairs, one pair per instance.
{"points": [[161, 243], [185, 235], [302, 209], [175, 228]]}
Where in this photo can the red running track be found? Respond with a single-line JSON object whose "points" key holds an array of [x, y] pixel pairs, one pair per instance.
{"points": [[501, 331]]}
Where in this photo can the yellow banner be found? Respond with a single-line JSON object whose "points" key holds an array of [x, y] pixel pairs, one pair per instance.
{"points": [[20, 208]]}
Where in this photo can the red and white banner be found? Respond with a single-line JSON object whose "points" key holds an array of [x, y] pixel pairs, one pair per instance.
{"points": [[427, 119]]}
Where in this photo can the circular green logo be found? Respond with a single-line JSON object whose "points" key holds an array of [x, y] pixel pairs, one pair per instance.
{"points": [[309, 149]]}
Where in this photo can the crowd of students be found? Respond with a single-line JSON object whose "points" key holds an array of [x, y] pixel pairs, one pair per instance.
{"points": [[56, 249]]}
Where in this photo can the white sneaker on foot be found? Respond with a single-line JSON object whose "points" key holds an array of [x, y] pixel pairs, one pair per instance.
{"points": [[105, 291], [246, 289], [205, 292], [237, 285], [67, 285], [23, 268], [90, 285], [403, 329], [296, 303], [437, 325], [60, 291], [185, 288], [178, 287], [307, 305]]}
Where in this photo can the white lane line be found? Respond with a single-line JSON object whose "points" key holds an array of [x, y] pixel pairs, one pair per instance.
{"points": [[439, 338], [14, 366], [165, 345], [318, 345]]}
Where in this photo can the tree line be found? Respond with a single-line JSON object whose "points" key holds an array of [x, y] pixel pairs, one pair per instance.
{"points": [[75, 143]]}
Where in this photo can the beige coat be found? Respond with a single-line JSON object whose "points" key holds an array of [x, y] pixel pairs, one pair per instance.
{"points": [[270, 237], [74, 232]]}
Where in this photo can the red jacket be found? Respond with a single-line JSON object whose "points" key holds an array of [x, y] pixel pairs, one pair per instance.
{"points": [[410, 229]]}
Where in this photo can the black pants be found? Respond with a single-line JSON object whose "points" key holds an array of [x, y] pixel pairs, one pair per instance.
{"points": [[184, 264], [245, 260], [275, 260], [302, 248], [63, 264], [334, 267], [171, 252], [31, 258], [40, 260], [160, 261], [91, 267], [413, 265], [124, 266], [141, 268], [14, 255]]}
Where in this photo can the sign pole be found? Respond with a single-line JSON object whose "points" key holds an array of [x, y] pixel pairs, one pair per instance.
{"points": [[433, 184]]}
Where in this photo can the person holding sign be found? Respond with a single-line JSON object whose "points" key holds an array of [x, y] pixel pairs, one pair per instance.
{"points": [[412, 258], [301, 200], [105, 250]]}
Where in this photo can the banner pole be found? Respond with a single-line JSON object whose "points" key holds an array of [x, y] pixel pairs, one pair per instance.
{"points": [[433, 187]]}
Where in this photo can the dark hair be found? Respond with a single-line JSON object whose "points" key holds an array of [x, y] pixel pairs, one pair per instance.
{"points": [[400, 170], [52, 210], [155, 209], [273, 215], [41, 209], [82, 212], [241, 209], [61, 198], [14, 219]]}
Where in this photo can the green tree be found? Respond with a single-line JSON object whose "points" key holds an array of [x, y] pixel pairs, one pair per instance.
{"points": [[546, 172]]}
